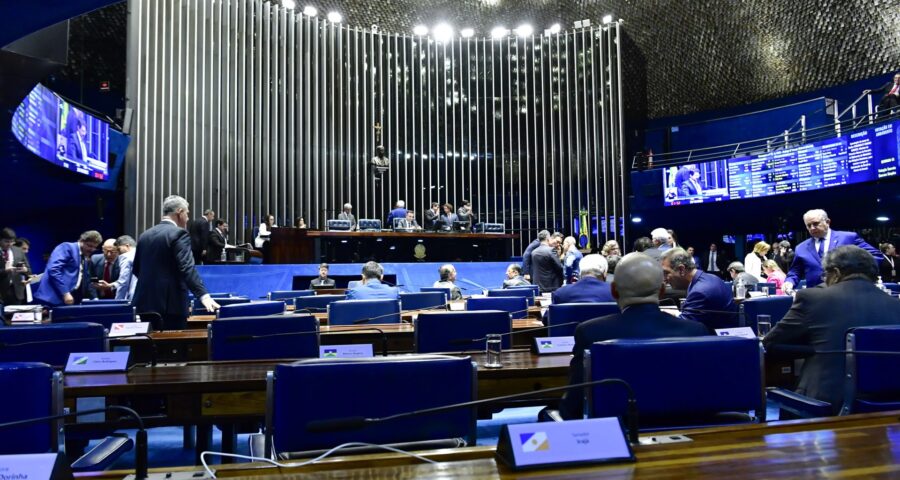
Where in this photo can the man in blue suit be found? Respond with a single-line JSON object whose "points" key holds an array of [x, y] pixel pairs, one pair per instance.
{"points": [[67, 279], [809, 254], [371, 287], [709, 301], [637, 288], [591, 287], [399, 212]]}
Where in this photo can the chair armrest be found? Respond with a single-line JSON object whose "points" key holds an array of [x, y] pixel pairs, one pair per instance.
{"points": [[104, 454], [801, 405]]}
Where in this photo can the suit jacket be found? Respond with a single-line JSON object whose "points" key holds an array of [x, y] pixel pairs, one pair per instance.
{"points": [[395, 213], [11, 287], [404, 224], [637, 321], [373, 290], [61, 274], [98, 264], [348, 216], [888, 272], [431, 217], [165, 269], [455, 292], [515, 282], [573, 265], [464, 215], [704, 262], [588, 289], [199, 231], [321, 282], [820, 318], [749, 281], [885, 89], [215, 246], [710, 302], [547, 269], [526, 256], [807, 263], [126, 283]]}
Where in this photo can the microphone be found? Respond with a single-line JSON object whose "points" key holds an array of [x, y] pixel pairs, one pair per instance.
{"points": [[358, 422], [465, 341], [140, 454], [250, 338], [367, 320], [153, 348]]}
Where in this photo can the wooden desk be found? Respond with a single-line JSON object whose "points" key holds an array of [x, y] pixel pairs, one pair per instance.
{"points": [[855, 446]]}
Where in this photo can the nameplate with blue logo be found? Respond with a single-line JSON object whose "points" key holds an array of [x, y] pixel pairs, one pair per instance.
{"points": [[127, 329], [36, 466], [555, 444], [97, 362], [345, 351], [743, 332], [546, 345]]}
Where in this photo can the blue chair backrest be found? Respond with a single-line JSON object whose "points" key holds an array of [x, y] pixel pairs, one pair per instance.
{"points": [[415, 301], [893, 287], [198, 308], [311, 390], [446, 331], [223, 344], [770, 286], [316, 303], [253, 309], [526, 293], [61, 340], [31, 390], [222, 295], [290, 295], [516, 306], [775, 306], [575, 312], [105, 301], [103, 314], [677, 377], [534, 288], [444, 290], [346, 312], [869, 384]]}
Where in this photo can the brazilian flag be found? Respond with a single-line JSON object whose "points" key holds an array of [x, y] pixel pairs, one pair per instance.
{"points": [[584, 229]]}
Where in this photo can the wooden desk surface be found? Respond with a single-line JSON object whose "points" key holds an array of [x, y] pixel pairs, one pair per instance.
{"points": [[855, 446]]}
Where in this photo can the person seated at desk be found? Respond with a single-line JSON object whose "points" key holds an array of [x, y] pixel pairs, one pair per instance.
{"points": [[514, 276], [399, 213], [448, 280], [347, 214], [265, 231], [738, 275], [371, 287], [638, 285], [709, 301], [591, 287], [445, 221], [409, 223], [322, 280], [218, 241]]}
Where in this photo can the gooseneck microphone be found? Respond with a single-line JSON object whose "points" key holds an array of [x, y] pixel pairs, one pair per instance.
{"points": [[358, 422]]}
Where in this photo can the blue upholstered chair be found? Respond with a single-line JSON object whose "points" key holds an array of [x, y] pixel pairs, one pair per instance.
{"points": [[289, 295], [347, 312], [443, 290], [417, 300], [103, 314], [389, 385], [316, 303], [223, 295], [893, 287], [775, 306], [253, 309], [771, 286], [527, 293], [197, 308], [20, 343], [576, 312], [105, 301], [447, 331], [516, 306], [230, 339], [534, 288], [871, 384], [679, 382]]}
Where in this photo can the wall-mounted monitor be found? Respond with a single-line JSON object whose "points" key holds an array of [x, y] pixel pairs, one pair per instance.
{"points": [[696, 183], [62, 133]]}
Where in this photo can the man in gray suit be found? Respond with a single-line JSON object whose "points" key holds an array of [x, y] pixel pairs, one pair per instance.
{"points": [[820, 317], [347, 214]]}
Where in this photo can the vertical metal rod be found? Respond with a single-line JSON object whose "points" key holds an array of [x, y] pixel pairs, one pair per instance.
{"points": [[621, 145]]}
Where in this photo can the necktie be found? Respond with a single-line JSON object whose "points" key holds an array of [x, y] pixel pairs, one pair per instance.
{"points": [[106, 272], [821, 249]]}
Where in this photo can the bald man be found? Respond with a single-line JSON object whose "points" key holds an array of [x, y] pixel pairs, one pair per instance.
{"points": [[637, 288]]}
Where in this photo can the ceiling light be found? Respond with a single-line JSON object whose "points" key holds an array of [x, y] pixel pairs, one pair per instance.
{"points": [[636, 219], [555, 28], [290, 4], [420, 30], [607, 19], [467, 33], [524, 30], [310, 11], [882, 218], [442, 32], [499, 32], [335, 17]]}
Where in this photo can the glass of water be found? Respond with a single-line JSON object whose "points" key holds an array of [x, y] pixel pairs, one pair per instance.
{"points": [[763, 325], [493, 351], [765, 290]]}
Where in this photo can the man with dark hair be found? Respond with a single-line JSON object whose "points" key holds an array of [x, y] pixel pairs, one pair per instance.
{"points": [[612, 261], [642, 244], [713, 261], [464, 213], [371, 287], [432, 215], [124, 286], [165, 269], [738, 275], [15, 270], [408, 224], [514, 276], [217, 241], [199, 230], [322, 280], [24, 244], [546, 265], [891, 98], [542, 237], [447, 279], [67, 278], [820, 318], [709, 300]]}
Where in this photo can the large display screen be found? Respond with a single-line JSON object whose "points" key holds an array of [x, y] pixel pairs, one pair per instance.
{"points": [[861, 156], [59, 132]]}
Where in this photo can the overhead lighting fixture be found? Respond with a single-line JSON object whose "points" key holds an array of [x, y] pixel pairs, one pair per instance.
{"points": [[555, 28], [524, 30], [289, 4], [420, 30], [499, 32], [467, 33], [636, 219], [335, 17], [310, 11], [607, 19], [882, 218], [442, 32]]}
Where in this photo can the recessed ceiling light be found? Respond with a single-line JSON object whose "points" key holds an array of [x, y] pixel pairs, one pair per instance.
{"points": [[499, 32], [310, 11], [442, 32], [420, 30], [466, 32], [335, 17]]}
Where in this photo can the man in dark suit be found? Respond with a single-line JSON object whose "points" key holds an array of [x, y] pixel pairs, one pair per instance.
{"points": [[67, 278], [591, 287], [547, 268], [217, 241], [891, 91], [165, 269], [322, 280], [809, 254], [637, 288], [347, 215], [432, 215], [199, 230], [15, 270], [105, 267], [542, 237], [713, 262], [514, 276], [399, 212], [709, 301], [820, 317], [371, 287]]}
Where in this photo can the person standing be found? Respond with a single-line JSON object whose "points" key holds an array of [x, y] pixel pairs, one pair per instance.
{"points": [[888, 268], [347, 214], [199, 230], [546, 265], [14, 272], [67, 279], [105, 268]]}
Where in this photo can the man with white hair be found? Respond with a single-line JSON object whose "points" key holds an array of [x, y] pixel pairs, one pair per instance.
{"points": [[165, 269], [347, 214], [399, 212], [591, 287], [660, 238], [808, 256]]}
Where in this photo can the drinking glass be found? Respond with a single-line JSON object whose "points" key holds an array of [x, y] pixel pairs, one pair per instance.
{"points": [[763, 325], [493, 351]]}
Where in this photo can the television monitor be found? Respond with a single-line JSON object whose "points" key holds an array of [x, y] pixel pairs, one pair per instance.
{"points": [[63, 134], [696, 183]]}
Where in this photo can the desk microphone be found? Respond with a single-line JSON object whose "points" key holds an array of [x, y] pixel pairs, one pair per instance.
{"points": [[153, 346], [358, 422], [466, 341], [250, 338], [140, 454], [368, 320]]}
